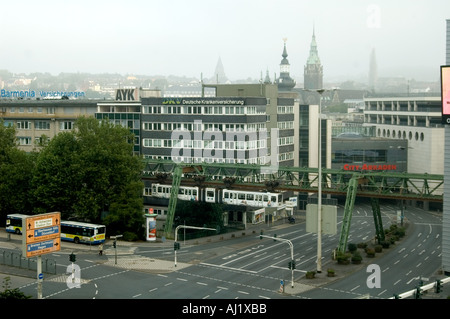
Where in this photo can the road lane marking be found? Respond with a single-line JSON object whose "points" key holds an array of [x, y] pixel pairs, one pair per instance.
{"points": [[230, 268], [382, 292]]}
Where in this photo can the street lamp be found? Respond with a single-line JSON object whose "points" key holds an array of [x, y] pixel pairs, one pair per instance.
{"points": [[319, 181], [319, 190]]}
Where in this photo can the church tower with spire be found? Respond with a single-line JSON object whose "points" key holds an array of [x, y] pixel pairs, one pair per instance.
{"points": [[285, 82], [313, 71]]}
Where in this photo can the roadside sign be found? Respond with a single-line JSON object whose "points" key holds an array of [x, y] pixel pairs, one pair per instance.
{"points": [[43, 234]]}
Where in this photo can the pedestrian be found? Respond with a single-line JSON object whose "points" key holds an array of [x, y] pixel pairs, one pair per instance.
{"points": [[100, 249]]}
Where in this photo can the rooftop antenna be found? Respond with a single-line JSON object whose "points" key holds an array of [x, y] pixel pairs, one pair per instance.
{"points": [[201, 82]]}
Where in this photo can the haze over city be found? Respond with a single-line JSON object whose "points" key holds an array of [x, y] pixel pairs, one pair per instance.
{"points": [[187, 38]]}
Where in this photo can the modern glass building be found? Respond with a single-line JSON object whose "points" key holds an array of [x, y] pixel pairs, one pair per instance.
{"points": [[357, 153]]}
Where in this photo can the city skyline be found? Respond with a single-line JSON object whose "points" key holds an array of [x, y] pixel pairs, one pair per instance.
{"points": [[188, 38]]}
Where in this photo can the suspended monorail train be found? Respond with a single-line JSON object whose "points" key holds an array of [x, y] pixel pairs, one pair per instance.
{"points": [[216, 195]]}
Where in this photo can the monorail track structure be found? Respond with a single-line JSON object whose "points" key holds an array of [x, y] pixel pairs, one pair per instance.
{"points": [[371, 184]]}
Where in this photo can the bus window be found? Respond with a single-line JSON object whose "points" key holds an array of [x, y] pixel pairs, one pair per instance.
{"points": [[250, 197], [273, 199], [241, 196]]}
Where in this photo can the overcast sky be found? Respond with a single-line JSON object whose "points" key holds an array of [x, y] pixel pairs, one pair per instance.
{"points": [[187, 37]]}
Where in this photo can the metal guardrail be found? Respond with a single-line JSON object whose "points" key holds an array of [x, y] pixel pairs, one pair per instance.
{"points": [[15, 259], [416, 293]]}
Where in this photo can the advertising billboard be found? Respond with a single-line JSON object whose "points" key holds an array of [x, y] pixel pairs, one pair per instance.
{"points": [[445, 93]]}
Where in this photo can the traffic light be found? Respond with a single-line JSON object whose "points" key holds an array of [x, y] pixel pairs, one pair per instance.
{"points": [[72, 257], [291, 265], [418, 294], [176, 246], [114, 243], [438, 287]]}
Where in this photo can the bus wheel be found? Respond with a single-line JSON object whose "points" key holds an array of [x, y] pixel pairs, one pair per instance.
{"points": [[76, 240], [17, 231]]}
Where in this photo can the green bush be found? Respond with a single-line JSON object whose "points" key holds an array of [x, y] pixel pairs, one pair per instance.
{"points": [[400, 232], [129, 236], [385, 243], [378, 248], [343, 258], [356, 257], [352, 247], [370, 252]]}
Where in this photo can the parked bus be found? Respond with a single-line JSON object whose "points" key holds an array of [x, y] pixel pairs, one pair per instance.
{"points": [[14, 223]]}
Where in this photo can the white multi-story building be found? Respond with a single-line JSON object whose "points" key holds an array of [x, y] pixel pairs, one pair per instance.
{"points": [[415, 118]]}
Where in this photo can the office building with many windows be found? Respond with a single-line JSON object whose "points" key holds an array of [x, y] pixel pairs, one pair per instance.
{"points": [[415, 118], [39, 120], [195, 130]]}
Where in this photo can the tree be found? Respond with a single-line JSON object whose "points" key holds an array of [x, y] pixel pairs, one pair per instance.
{"points": [[9, 293], [16, 168], [57, 177], [91, 172]]}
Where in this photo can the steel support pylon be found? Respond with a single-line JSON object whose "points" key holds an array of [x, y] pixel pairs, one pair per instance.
{"points": [[348, 210], [377, 219], [176, 179]]}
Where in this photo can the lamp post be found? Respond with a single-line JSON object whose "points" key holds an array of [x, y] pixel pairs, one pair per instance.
{"points": [[319, 187], [319, 190]]}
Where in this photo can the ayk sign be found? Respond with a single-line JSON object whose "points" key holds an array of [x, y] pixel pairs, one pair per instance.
{"points": [[127, 95]]}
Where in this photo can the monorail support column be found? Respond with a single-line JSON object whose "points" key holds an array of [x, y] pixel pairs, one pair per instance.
{"points": [[377, 219], [176, 179], [348, 210]]}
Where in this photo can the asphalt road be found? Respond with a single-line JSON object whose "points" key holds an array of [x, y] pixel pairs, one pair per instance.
{"points": [[244, 267]]}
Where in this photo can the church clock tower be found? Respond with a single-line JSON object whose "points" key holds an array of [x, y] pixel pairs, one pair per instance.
{"points": [[313, 71]]}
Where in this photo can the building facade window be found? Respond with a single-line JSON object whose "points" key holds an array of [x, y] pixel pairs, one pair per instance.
{"points": [[66, 125], [42, 125], [24, 125]]}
